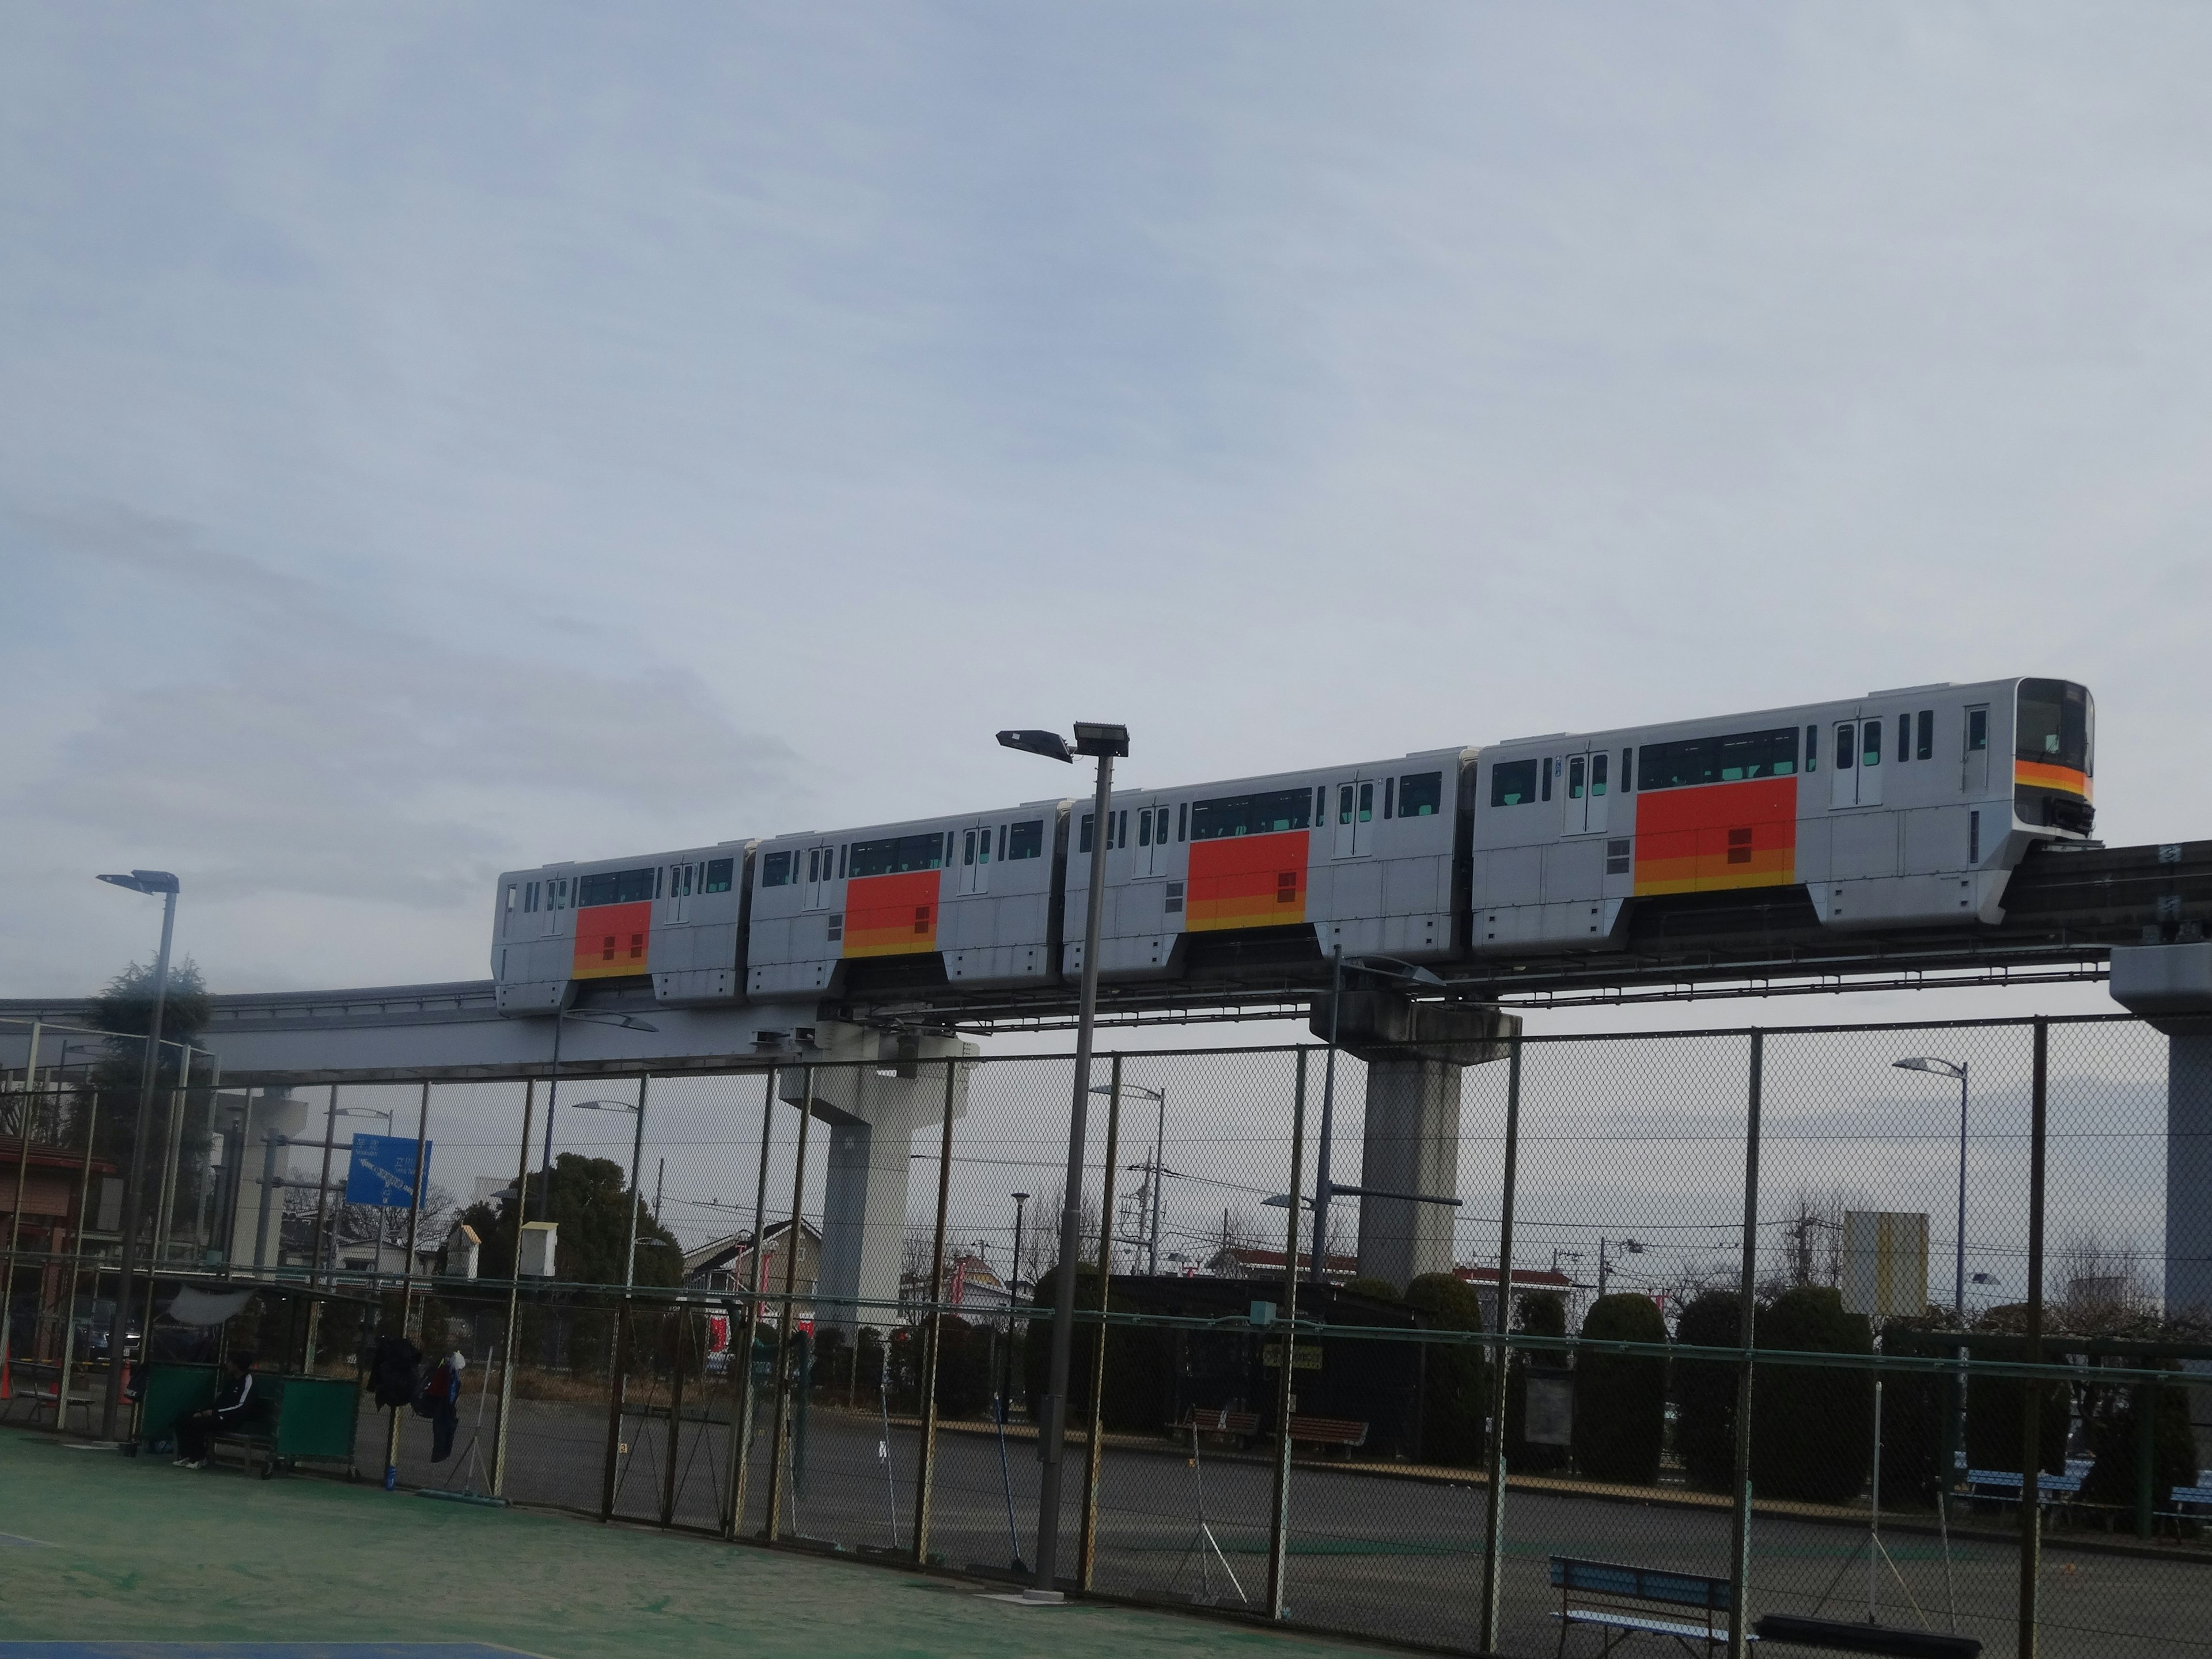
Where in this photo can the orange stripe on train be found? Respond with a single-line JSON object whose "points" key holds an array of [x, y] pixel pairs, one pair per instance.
{"points": [[1247, 881], [1717, 836], [892, 915], [612, 941], [2041, 774]]}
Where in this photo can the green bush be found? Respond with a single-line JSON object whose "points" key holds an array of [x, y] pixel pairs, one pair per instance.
{"points": [[1914, 1407], [1455, 1379], [965, 1383], [1539, 1315], [1811, 1428], [1621, 1399], [1995, 1408], [1704, 1389], [2113, 1422], [1140, 1361]]}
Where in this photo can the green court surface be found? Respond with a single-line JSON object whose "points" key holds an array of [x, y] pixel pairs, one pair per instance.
{"points": [[116, 1557]]}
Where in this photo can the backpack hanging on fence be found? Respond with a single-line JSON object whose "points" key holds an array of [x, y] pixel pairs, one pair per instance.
{"points": [[394, 1371], [436, 1387]]}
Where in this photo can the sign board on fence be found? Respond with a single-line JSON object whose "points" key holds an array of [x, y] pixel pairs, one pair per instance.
{"points": [[1305, 1357], [1885, 1263], [383, 1171], [1549, 1417]]}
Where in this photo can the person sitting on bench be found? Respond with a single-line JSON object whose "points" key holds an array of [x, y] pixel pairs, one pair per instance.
{"points": [[195, 1433]]}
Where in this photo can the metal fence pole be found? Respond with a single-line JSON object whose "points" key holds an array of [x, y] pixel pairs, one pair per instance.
{"points": [[741, 1417], [783, 1322], [1493, 1533], [1087, 1543], [406, 1272], [2031, 1433], [315, 1246], [1740, 1546], [612, 1462], [925, 1371], [77, 1265], [1278, 1511], [15, 1215], [513, 1303]]}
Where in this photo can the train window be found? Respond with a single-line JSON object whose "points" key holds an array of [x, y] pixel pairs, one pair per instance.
{"points": [[514, 896], [968, 849], [529, 897], [1545, 769], [614, 887], [775, 870], [1026, 841], [1344, 802], [1513, 783], [1083, 835], [1577, 779], [1262, 814], [690, 873], [1973, 838], [1846, 741], [1320, 805], [1122, 828], [1904, 737], [814, 865], [1627, 771], [1869, 742], [1733, 758], [948, 847], [1182, 820], [1002, 844], [891, 855], [2057, 725], [841, 851], [1812, 749], [1160, 827], [1367, 803], [1924, 747], [1978, 728], [1144, 829], [1389, 793], [1420, 794], [719, 872], [1597, 773]]}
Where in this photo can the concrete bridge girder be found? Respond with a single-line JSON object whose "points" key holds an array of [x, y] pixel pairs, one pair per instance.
{"points": [[1416, 1055], [872, 1112]]}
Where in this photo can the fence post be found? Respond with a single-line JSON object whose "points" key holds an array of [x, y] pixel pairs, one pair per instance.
{"points": [[1493, 1536], [925, 1371], [783, 1321], [611, 1463], [741, 1351], [1740, 1547], [2031, 1433], [513, 1303], [15, 1215], [1279, 1512], [681, 1350], [1087, 1545], [406, 1275], [77, 1265]]}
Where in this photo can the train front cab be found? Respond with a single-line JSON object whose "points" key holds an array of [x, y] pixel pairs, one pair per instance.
{"points": [[968, 900], [1886, 811], [674, 919], [1285, 868]]}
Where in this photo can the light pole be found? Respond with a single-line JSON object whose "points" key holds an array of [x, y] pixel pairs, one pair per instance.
{"points": [[1605, 1247], [1104, 744], [119, 1342], [591, 1016], [1013, 1297], [1953, 1069], [636, 1157], [1324, 1190], [1159, 1099]]}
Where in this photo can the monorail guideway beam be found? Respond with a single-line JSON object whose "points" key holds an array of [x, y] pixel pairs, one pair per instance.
{"points": [[1416, 1055], [873, 1113]]}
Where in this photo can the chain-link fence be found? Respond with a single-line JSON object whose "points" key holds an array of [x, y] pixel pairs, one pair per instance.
{"points": [[1868, 1325]]}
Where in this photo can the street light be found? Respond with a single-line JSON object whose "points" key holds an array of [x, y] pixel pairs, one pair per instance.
{"points": [[1013, 1295], [636, 1155], [1159, 1097], [1324, 1191], [1104, 744], [1952, 1069], [1604, 1246], [590, 1016], [148, 882]]}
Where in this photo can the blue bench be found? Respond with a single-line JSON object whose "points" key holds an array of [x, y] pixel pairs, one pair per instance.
{"points": [[1622, 1602], [2004, 1485]]}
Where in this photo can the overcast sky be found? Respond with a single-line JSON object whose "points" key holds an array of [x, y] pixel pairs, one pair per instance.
{"points": [[443, 438]]}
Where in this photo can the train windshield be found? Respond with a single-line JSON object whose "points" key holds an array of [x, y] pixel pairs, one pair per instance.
{"points": [[2057, 726]]}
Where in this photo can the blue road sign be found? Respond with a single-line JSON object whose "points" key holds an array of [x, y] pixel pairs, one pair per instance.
{"points": [[383, 1172]]}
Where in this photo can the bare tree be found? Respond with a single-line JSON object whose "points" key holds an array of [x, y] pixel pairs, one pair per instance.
{"points": [[2103, 1290]]}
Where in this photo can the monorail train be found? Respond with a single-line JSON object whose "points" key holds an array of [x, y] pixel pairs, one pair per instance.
{"points": [[1885, 812]]}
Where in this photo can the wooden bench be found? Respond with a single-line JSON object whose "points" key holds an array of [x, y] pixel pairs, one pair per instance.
{"points": [[1621, 1601], [1239, 1427], [1340, 1431]]}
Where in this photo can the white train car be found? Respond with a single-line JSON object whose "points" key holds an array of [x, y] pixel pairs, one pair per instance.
{"points": [[968, 900], [1353, 858], [1897, 809], [675, 917]]}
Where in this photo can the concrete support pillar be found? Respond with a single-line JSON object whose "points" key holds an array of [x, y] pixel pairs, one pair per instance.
{"points": [[257, 1114], [1411, 1146], [2189, 1175], [873, 1112], [1415, 1054]]}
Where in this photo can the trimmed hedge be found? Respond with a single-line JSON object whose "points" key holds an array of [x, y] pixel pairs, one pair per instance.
{"points": [[1539, 1315], [1454, 1380], [1995, 1408], [1812, 1429], [1140, 1392], [1621, 1399], [1704, 1390]]}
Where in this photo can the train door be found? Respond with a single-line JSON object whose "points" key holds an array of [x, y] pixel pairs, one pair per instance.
{"points": [[1149, 857], [1355, 813], [1589, 788], [974, 861], [1974, 775], [1855, 779], [821, 870], [680, 878]]}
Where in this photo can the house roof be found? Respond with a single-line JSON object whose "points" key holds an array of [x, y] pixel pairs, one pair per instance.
{"points": [[1538, 1278], [721, 1252]]}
